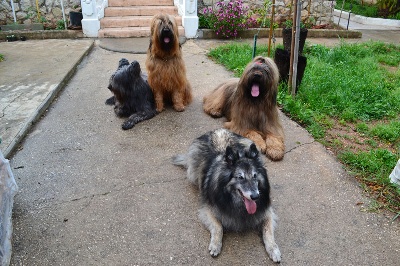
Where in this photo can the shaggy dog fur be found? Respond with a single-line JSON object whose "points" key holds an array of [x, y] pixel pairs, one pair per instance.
{"points": [[249, 104], [234, 187], [165, 66], [133, 97]]}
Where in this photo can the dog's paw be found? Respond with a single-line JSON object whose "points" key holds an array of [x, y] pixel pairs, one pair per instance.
{"points": [[274, 155], [215, 113], [111, 100], [257, 139], [159, 109], [127, 125], [274, 253], [215, 249], [179, 108], [275, 148]]}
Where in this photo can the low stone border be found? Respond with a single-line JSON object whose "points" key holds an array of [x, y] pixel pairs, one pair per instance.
{"points": [[201, 34], [312, 33], [42, 34]]}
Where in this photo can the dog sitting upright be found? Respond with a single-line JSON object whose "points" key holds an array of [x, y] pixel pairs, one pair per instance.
{"points": [[165, 65], [133, 97]]}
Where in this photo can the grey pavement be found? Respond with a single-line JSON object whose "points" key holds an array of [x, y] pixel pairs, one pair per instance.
{"points": [[93, 194]]}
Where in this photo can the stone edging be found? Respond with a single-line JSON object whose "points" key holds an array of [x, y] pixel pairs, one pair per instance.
{"points": [[201, 34], [312, 33], [43, 34]]}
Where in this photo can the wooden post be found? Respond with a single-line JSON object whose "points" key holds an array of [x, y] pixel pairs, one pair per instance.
{"points": [[271, 27], [296, 48], [292, 46]]}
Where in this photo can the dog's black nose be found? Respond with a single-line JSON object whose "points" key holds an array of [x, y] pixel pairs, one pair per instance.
{"points": [[254, 196], [166, 29]]}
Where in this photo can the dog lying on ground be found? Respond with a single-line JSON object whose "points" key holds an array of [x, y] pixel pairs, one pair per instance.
{"points": [[165, 65], [234, 187], [133, 97], [250, 106]]}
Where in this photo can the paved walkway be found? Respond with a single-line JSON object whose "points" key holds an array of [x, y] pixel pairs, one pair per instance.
{"points": [[93, 194]]}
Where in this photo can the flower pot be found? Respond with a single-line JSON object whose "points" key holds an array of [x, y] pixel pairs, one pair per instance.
{"points": [[287, 38], [75, 20], [282, 61], [11, 38]]}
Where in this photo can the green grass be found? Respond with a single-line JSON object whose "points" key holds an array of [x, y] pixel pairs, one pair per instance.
{"points": [[363, 9], [1, 57], [353, 89]]}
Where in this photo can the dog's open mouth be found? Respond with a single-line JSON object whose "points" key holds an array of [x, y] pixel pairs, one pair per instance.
{"points": [[255, 90], [251, 205], [167, 39]]}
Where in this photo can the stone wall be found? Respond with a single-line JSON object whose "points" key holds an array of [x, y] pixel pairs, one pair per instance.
{"points": [[50, 10], [320, 11], [26, 12]]}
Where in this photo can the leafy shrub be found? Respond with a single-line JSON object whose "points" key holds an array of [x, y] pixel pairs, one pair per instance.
{"points": [[227, 19], [388, 8]]}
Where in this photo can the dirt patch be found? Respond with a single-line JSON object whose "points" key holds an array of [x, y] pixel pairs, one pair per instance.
{"points": [[347, 138]]}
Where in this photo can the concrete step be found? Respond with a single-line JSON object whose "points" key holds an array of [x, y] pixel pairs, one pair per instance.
{"points": [[112, 3], [130, 32], [139, 11], [130, 21]]}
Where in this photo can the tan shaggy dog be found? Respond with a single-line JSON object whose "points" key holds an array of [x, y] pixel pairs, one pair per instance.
{"points": [[165, 66], [249, 104]]}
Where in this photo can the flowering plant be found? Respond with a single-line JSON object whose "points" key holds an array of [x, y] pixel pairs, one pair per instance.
{"points": [[228, 18]]}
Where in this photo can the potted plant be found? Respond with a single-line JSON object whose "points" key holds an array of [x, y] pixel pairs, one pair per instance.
{"points": [[287, 35], [75, 18]]}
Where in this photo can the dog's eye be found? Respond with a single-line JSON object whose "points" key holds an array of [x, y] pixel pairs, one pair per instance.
{"points": [[254, 175], [241, 176]]}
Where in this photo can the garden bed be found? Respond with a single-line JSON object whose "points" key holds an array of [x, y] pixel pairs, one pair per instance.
{"points": [[312, 33]]}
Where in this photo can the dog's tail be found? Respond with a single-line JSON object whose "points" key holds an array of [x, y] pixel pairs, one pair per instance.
{"points": [[180, 160]]}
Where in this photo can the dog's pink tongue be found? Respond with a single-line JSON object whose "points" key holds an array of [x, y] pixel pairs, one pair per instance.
{"points": [[251, 206], [166, 40], [255, 90]]}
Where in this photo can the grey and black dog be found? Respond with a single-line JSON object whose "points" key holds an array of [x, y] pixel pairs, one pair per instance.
{"points": [[234, 187], [133, 97]]}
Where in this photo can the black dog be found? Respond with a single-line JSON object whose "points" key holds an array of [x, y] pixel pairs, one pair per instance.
{"points": [[133, 97]]}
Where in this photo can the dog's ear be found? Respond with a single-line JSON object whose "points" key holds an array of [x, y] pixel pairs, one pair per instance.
{"points": [[253, 151], [230, 156]]}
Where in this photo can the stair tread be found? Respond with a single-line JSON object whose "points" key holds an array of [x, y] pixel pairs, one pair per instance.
{"points": [[140, 3], [128, 32], [131, 18], [137, 17]]}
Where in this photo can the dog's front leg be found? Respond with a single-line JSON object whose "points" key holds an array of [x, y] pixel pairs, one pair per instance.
{"points": [[269, 239], [257, 139], [136, 118], [159, 99], [275, 147], [177, 100], [215, 228]]}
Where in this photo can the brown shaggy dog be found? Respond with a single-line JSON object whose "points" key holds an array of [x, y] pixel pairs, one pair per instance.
{"points": [[249, 104], [165, 66]]}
